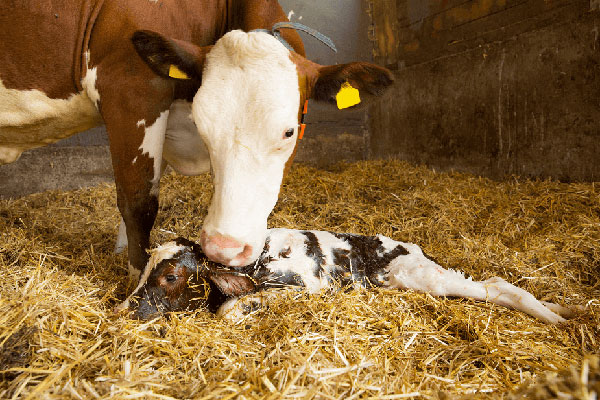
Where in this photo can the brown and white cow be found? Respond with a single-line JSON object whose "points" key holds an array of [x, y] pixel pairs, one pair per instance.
{"points": [[142, 67]]}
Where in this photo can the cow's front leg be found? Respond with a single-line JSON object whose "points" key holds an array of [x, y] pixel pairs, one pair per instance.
{"points": [[183, 150], [136, 120], [121, 242]]}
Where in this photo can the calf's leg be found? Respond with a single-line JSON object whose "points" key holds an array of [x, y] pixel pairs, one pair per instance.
{"points": [[415, 271]]}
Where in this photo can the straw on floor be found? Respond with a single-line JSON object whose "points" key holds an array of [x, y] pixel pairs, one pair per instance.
{"points": [[60, 281]]}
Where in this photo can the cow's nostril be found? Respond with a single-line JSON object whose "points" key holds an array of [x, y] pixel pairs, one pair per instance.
{"points": [[246, 253]]}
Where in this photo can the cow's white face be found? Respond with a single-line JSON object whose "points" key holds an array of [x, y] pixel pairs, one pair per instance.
{"points": [[246, 111], [248, 101]]}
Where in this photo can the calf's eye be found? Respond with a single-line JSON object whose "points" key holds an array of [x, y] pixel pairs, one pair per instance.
{"points": [[289, 133], [171, 278]]}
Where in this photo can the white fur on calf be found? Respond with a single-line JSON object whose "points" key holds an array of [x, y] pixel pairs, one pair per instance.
{"points": [[415, 271], [317, 260], [409, 270]]}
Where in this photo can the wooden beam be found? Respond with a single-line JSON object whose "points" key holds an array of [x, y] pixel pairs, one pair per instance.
{"points": [[385, 21]]}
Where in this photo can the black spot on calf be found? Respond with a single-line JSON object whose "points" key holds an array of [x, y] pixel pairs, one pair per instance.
{"points": [[368, 258]]}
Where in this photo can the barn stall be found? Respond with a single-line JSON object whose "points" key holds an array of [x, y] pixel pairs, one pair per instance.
{"points": [[463, 101]]}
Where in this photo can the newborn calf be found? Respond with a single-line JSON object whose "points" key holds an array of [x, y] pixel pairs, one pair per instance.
{"points": [[179, 277]]}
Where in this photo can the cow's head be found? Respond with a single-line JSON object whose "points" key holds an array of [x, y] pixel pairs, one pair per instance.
{"points": [[250, 95]]}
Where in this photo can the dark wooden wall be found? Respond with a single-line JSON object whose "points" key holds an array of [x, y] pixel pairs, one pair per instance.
{"points": [[493, 87]]}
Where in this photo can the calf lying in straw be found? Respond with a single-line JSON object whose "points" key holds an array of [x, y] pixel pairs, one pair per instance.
{"points": [[179, 277]]}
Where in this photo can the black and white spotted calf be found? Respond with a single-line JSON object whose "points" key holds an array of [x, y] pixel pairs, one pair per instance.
{"points": [[179, 276]]}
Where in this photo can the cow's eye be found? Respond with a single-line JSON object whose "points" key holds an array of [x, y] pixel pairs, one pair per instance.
{"points": [[171, 278], [289, 133]]}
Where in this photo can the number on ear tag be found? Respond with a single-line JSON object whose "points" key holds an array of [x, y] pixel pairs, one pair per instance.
{"points": [[176, 73], [348, 96]]}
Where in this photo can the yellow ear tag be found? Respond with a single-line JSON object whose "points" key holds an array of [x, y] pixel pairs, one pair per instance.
{"points": [[176, 73], [348, 96]]}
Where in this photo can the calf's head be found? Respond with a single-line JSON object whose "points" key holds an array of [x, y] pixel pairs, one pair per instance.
{"points": [[249, 94], [178, 277]]}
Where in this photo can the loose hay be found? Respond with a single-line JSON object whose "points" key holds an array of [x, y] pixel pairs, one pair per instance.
{"points": [[61, 281]]}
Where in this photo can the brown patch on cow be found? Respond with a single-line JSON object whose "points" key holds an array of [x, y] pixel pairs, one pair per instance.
{"points": [[367, 256], [47, 58]]}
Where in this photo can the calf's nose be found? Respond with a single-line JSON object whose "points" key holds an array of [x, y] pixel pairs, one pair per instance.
{"points": [[226, 250]]}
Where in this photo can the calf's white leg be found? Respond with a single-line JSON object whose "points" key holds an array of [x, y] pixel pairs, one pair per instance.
{"points": [[415, 271]]}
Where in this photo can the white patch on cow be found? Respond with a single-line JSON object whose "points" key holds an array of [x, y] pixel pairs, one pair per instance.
{"points": [[184, 150], [121, 242], [29, 119], [89, 81], [167, 250], [152, 145], [249, 97]]}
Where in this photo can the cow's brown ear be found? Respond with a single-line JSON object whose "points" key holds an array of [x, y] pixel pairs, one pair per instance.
{"points": [[350, 85], [170, 58]]}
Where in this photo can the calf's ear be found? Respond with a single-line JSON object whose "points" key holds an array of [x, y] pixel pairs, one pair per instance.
{"points": [[170, 58], [351, 85]]}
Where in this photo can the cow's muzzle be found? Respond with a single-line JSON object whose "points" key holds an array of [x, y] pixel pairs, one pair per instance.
{"points": [[226, 250]]}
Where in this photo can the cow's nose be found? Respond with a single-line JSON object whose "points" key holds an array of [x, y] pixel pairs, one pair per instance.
{"points": [[226, 250]]}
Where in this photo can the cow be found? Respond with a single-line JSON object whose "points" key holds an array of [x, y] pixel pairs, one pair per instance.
{"points": [[179, 276], [197, 85]]}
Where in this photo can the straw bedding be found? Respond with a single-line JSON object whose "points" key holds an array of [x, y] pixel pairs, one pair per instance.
{"points": [[60, 281]]}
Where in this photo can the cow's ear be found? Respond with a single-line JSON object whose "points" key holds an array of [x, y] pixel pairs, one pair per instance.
{"points": [[170, 58], [350, 85]]}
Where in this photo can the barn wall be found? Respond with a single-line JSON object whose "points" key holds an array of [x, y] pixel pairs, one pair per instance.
{"points": [[331, 135], [493, 87]]}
